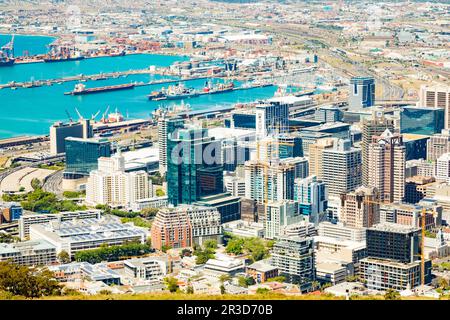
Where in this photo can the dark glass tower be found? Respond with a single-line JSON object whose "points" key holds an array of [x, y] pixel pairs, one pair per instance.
{"points": [[82, 155], [194, 167]]}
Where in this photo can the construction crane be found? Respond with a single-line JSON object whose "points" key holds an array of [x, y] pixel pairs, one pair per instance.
{"points": [[423, 214]]}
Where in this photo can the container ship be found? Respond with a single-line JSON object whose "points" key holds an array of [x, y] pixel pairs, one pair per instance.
{"points": [[80, 89], [175, 92], [63, 54]]}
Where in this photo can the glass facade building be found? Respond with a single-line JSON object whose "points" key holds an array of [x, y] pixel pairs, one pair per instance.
{"points": [[418, 120], [82, 154], [361, 93], [194, 167], [290, 146]]}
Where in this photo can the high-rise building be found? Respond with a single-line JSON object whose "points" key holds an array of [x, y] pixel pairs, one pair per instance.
{"points": [[328, 113], [387, 161], [291, 146], [438, 144], [194, 166], [361, 93], [111, 185], [82, 155], [10, 211], [280, 214], [205, 223], [166, 126], [393, 258], [436, 97], [393, 242], [443, 167], [59, 131], [277, 175], [185, 226], [315, 155], [341, 167], [311, 195], [359, 209], [271, 118], [234, 185], [420, 120], [171, 228], [301, 166], [372, 126], [294, 258]]}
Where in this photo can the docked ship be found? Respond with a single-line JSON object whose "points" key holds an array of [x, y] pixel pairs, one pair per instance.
{"points": [[63, 54], [175, 92], [80, 89], [6, 61], [7, 54], [219, 88]]}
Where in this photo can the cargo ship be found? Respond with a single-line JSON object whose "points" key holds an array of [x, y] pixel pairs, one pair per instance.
{"points": [[6, 61], [63, 54], [63, 58], [80, 89], [219, 88], [175, 92]]}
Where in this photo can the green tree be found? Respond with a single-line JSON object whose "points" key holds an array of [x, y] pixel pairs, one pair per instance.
{"points": [[235, 246], [36, 183], [160, 192], [171, 284], [262, 291], [443, 283], [149, 212], [105, 292], [190, 289], [256, 248], [225, 277], [245, 281], [392, 295], [28, 282], [112, 253], [211, 244], [222, 289], [63, 257], [277, 279], [164, 248]]}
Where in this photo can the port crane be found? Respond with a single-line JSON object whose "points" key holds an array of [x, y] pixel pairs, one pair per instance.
{"points": [[8, 49]]}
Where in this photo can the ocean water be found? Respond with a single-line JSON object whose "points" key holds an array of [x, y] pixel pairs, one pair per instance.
{"points": [[31, 111]]}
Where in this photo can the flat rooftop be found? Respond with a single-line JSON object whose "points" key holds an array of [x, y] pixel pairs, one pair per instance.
{"points": [[393, 227]]}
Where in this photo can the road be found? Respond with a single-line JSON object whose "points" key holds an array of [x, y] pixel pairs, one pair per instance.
{"points": [[53, 183]]}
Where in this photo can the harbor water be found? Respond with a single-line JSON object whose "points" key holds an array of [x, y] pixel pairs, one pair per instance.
{"points": [[30, 111]]}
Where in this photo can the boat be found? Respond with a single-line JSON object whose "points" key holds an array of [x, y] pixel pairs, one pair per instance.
{"points": [[219, 88], [175, 92], [80, 89], [6, 61], [62, 59], [63, 54]]}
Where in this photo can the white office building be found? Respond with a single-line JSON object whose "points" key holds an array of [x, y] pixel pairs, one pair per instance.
{"points": [[77, 235], [111, 185]]}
